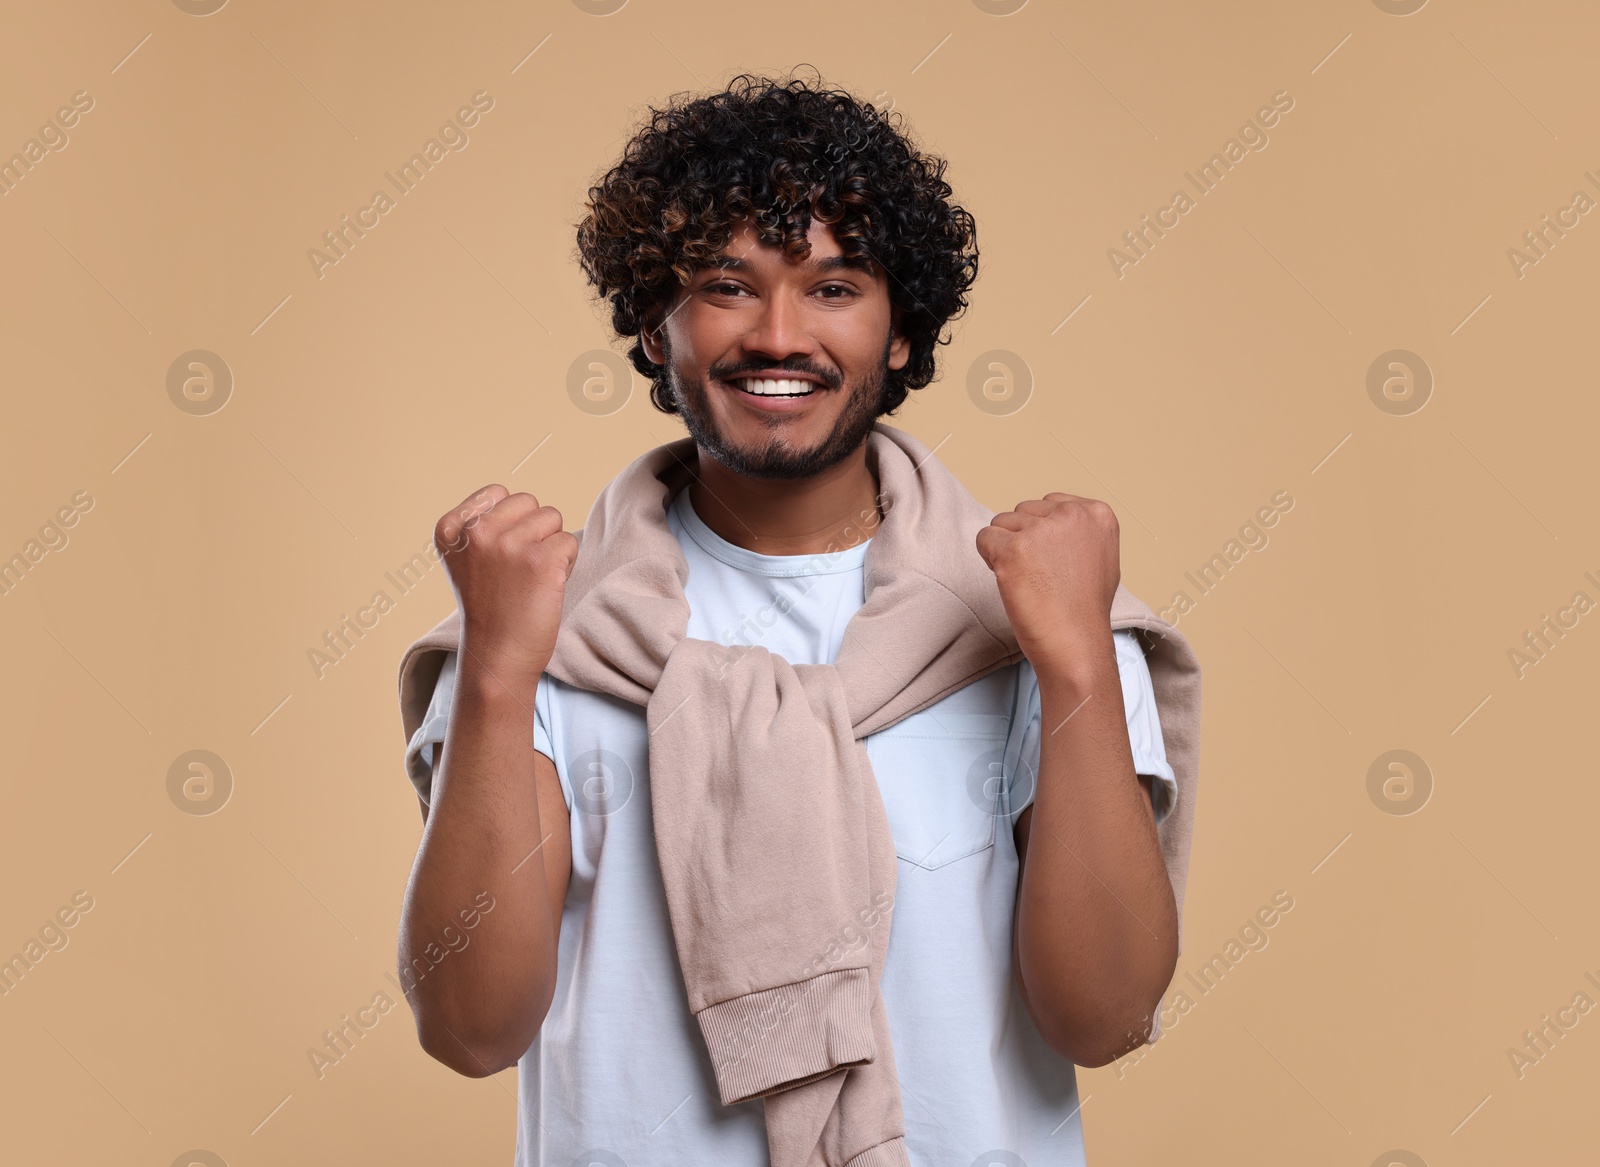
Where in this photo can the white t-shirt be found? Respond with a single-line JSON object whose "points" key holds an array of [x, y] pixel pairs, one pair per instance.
{"points": [[619, 1067]]}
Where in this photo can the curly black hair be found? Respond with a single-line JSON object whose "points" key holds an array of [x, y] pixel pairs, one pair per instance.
{"points": [[781, 153]]}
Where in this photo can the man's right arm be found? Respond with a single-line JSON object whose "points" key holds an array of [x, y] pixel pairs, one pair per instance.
{"points": [[496, 824]]}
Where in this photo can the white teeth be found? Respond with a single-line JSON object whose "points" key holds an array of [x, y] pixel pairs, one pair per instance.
{"points": [[766, 387]]}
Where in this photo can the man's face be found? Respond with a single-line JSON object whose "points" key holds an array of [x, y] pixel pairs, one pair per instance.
{"points": [[823, 319]]}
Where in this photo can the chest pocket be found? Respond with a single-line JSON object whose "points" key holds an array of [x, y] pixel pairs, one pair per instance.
{"points": [[942, 776]]}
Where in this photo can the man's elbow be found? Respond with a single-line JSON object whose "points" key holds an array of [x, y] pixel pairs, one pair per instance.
{"points": [[472, 1054], [1098, 1039], [474, 1060], [1093, 1048]]}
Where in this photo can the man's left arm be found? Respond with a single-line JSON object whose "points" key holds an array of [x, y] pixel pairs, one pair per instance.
{"points": [[1096, 935]]}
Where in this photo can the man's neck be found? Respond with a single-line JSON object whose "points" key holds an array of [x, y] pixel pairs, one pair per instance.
{"points": [[830, 511]]}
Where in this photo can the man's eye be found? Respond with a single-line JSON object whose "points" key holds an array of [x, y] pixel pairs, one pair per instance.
{"points": [[725, 288]]}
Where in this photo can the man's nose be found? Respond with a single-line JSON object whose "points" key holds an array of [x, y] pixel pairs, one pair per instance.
{"points": [[780, 328]]}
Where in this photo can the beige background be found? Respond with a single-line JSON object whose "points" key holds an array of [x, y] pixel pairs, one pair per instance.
{"points": [[1230, 363]]}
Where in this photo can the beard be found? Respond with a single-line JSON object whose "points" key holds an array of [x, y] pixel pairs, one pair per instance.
{"points": [[776, 458]]}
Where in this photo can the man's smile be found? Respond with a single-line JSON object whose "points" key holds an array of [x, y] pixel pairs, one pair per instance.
{"points": [[788, 394], [774, 387]]}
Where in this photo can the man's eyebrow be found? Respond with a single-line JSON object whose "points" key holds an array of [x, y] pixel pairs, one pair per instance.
{"points": [[827, 263]]}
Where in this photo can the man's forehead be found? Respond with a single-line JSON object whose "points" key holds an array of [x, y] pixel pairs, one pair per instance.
{"points": [[742, 260], [745, 246]]}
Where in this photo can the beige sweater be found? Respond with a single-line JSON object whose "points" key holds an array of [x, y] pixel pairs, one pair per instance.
{"points": [[769, 826]]}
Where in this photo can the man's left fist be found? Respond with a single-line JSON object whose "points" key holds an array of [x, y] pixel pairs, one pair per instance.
{"points": [[1057, 565]]}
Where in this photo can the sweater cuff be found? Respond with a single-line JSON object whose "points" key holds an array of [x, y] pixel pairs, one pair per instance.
{"points": [[777, 1039]]}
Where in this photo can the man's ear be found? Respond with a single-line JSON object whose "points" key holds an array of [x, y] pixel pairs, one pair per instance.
{"points": [[650, 339], [899, 345]]}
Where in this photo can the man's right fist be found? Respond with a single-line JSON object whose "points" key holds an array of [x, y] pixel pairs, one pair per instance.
{"points": [[508, 560]]}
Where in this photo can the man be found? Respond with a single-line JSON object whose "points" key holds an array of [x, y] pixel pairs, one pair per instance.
{"points": [[786, 261]]}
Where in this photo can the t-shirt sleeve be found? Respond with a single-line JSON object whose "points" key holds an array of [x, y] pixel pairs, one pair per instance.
{"points": [[1144, 730], [419, 752]]}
